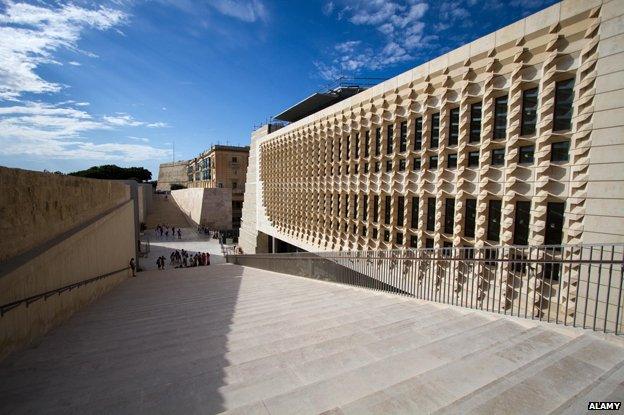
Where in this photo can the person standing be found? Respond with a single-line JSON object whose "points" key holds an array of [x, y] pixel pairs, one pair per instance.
{"points": [[132, 266]]}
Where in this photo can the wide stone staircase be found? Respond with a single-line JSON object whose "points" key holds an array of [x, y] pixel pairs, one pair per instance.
{"points": [[165, 211], [234, 339]]}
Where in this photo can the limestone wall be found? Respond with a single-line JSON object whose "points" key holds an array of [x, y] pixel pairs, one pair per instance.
{"points": [[210, 207], [171, 173], [36, 207], [145, 192], [80, 229]]}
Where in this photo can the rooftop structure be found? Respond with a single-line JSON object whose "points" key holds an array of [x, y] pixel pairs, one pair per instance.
{"points": [[317, 102]]}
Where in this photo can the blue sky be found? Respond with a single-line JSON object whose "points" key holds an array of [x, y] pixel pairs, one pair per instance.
{"points": [[89, 83]]}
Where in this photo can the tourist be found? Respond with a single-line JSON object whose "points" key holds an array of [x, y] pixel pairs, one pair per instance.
{"points": [[207, 258], [179, 234], [158, 262], [132, 267]]}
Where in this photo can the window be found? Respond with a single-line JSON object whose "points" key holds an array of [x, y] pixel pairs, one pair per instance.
{"points": [[475, 122], [554, 223], [413, 241], [449, 215], [348, 147], [454, 127], [500, 117], [377, 166], [387, 216], [378, 141], [494, 217], [433, 162], [220, 185], [418, 134], [435, 130], [403, 137], [386, 236], [364, 207], [365, 167], [402, 165], [431, 213], [529, 111], [375, 233], [471, 218], [560, 151], [400, 210], [564, 98], [363, 230], [429, 243], [525, 155], [346, 206], [399, 238], [416, 165], [234, 185], [357, 145], [389, 139], [473, 159], [234, 159], [388, 165], [498, 157], [367, 144], [521, 223], [452, 161], [415, 201], [376, 208], [355, 207]]}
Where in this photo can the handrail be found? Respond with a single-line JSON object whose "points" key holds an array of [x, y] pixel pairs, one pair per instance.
{"points": [[29, 300], [577, 285]]}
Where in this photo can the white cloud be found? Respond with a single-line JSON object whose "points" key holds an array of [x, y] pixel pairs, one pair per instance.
{"points": [[142, 139], [74, 63], [328, 8], [247, 11], [400, 24], [126, 120], [30, 34]]}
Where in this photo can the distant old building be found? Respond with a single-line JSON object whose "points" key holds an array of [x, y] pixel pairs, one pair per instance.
{"points": [[221, 167], [170, 174]]}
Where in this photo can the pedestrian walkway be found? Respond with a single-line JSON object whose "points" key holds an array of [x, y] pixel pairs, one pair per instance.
{"points": [[242, 340]]}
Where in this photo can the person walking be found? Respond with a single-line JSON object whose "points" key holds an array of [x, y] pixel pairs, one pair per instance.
{"points": [[132, 266], [179, 234]]}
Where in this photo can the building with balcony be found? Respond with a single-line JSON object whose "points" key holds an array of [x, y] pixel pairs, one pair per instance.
{"points": [[516, 138], [221, 167]]}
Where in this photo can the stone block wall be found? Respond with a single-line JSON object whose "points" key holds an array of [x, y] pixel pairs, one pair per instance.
{"points": [[172, 173], [210, 207]]}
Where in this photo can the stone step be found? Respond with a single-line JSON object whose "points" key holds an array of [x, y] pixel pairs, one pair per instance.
{"points": [[331, 392], [437, 388], [550, 387]]}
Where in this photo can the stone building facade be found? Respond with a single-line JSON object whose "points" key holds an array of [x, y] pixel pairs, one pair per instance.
{"points": [[171, 174], [516, 138], [221, 167]]}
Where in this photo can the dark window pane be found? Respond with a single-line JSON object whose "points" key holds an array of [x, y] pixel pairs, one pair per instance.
{"points": [[500, 117], [389, 165], [365, 167], [473, 159], [525, 155], [449, 215], [529, 111], [415, 201], [431, 213], [364, 207], [454, 127], [498, 157], [521, 223], [375, 233], [429, 243], [560, 151], [400, 210], [355, 207], [376, 208], [452, 161], [357, 145], [378, 141], [416, 163], [471, 217], [475, 122], [413, 241], [435, 130], [348, 147], [403, 137], [367, 144], [377, 166], [433, 162], [402, 165], [554, 223], [386, 236], [418, 134], [564, 98], [390, 139], [387, 216], [494, 218], [399, 238]]}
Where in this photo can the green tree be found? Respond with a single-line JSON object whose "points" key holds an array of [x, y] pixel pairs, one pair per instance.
{"points": [[113, 172]]}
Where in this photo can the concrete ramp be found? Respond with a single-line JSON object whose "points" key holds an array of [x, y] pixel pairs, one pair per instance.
{"points": [[165, 211], [240, 340]]}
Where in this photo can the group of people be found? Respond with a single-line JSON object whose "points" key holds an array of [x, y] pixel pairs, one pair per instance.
{"points": [[182, 259], [164, 230]]}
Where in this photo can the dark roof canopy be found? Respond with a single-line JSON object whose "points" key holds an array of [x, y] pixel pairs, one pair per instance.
{"points": [[317, 102]]}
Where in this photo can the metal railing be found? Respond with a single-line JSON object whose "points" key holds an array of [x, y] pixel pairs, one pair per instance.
{"points": [[45, 295], [576, 285]]}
